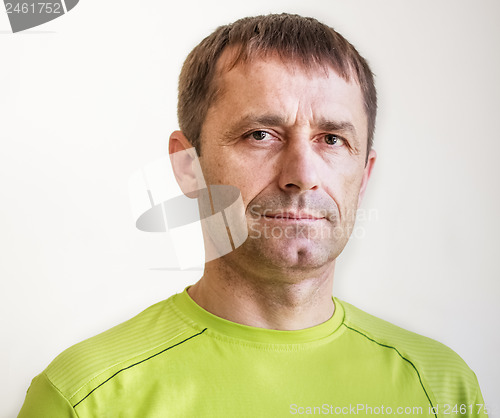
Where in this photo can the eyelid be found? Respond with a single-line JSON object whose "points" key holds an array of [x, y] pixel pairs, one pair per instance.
{"points": [[342, 138], [249, 133]]}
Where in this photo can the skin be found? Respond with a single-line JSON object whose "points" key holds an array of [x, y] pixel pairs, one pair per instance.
{"points": [[294, 143]]}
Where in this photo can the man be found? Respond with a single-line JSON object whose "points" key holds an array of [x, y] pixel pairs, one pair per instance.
{"points": [[283, 108]]}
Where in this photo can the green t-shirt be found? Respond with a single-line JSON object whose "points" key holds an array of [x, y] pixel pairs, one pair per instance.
{"points": [[177, 360]]}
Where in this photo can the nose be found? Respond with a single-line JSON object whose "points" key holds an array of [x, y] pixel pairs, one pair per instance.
{"points": [[299, 171]]}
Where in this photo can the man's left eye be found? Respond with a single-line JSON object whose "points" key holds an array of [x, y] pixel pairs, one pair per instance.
{"points": [[331, 139]]}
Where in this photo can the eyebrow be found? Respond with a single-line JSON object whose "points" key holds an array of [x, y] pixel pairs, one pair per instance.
{"points": [[253, 120]]}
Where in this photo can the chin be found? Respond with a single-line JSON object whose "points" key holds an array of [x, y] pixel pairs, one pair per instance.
{"points": [[298, 254]]}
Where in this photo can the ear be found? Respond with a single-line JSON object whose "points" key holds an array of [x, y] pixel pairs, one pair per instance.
{"points": [[185, 164], [372, 156]]}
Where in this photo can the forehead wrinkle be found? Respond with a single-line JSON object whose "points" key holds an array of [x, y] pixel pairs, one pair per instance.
{"points": [[234, 57], [337, 125], [226, 64]]}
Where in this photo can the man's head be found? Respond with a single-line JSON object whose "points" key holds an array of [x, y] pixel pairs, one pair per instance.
{"points": [[303, 41], [281, 107]]}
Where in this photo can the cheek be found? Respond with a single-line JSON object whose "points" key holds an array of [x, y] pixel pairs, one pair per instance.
{"points": [[226, 168], [213, 170], [351, 186], [344, 189]]}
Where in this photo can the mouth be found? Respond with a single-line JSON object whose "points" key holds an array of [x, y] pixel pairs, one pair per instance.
{"points": [[293, 216]]}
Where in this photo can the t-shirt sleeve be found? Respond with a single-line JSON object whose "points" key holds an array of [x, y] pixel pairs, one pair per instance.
{"points": [[44, 400]]}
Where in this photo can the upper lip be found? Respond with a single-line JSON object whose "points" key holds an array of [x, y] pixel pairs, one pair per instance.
{"points": [[292, 215]]}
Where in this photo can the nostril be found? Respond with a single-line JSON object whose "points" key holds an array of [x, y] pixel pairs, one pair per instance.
{"points": [[300, 187]]}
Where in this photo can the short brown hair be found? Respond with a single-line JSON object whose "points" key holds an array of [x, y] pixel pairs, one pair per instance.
{"points": [[303, 40]]}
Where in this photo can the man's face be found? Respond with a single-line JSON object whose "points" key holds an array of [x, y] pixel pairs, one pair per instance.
{"points": [[294, 143]]}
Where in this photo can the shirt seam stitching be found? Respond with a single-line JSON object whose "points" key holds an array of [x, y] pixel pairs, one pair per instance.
{"points": [[137, 363], [99, 373], [400, 355]]}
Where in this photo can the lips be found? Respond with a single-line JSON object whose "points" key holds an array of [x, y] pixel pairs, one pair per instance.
{"points": [[294, 216]]}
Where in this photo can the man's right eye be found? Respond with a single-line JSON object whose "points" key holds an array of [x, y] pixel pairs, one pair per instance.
{"points": [[259, 135]]}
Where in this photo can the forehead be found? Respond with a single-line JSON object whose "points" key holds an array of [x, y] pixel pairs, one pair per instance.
{"points": [[288, 89]]}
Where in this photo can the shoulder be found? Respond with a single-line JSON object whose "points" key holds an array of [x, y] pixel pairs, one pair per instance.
{"points": [[441, 370], [125, 344]]}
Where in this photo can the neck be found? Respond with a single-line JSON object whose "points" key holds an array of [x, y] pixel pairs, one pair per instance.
{"points": [[282, 301]]}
